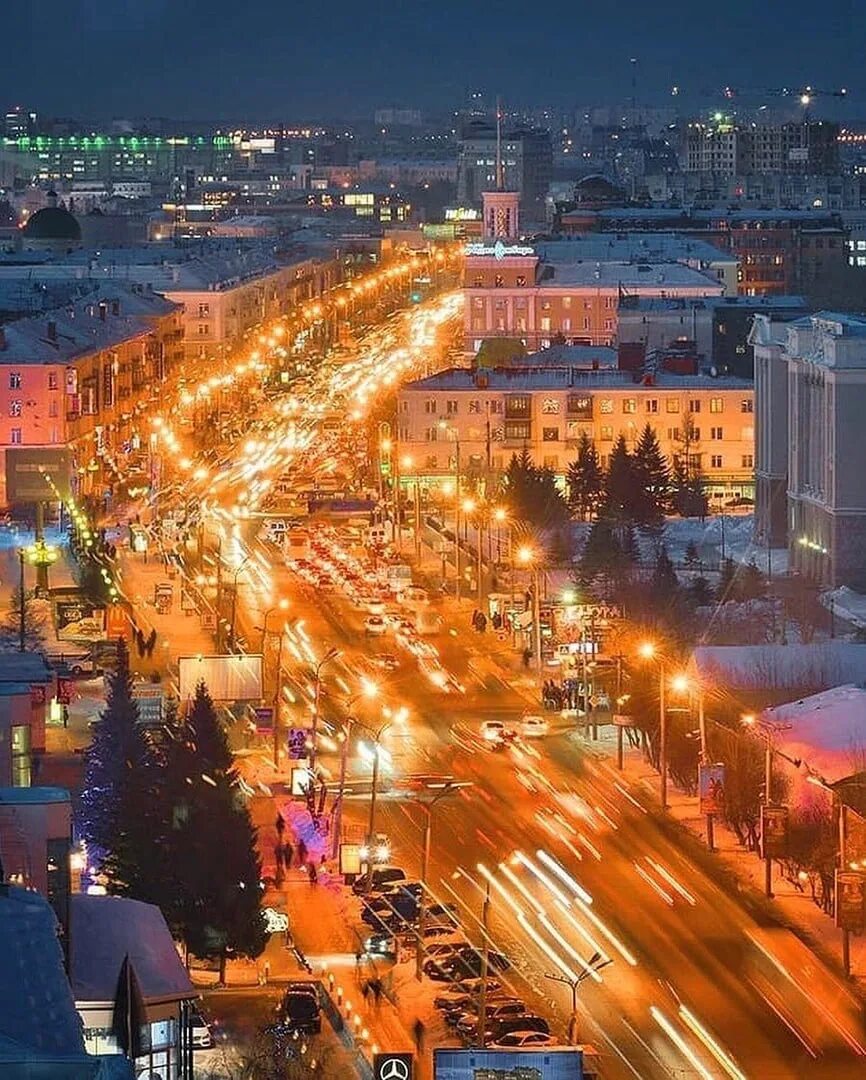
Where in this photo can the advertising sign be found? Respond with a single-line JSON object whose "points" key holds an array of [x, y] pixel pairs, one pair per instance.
{"points": [[774, 832], [850, 896], [551, 1063], [622, 720], [264, 715], [79, 620], [116, 622], [64, 691], [350, 859], [30, 475], [711, 788], [300, 778], [393, 1066], [297, 743], [228, 678], [150, 701]]}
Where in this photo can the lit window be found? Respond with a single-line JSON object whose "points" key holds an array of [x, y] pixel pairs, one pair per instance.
{"points": [[747, 405], [629, 405], [606, 405], [652, 405], [15, 407], [550, 406], [748, 461], [606, 433], [672, 405], [716, 405], [14, 380], [550, 434], [716, 461]]}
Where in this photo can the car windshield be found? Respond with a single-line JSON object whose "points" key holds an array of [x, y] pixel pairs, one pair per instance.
{"points": [[301, 1005]]}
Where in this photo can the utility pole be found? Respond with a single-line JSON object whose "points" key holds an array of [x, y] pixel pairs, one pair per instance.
{"points": [[619, 761], [485, 961], [663, 737], [702, 727], [846, 934]]}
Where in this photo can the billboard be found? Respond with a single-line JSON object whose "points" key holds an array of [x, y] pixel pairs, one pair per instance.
{"points": [[711, 788], [79, 620], [552, 1063], [774, 832], [850, 905], [228, 678], [28, 472]]}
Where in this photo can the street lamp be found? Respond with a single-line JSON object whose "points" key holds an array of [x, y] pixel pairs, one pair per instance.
{"points": [[679, 684], [330, 655], [594, 965], [406, 464], [528, 556], [438, 791], [765, 730], [455, 436], [371, 823], [282, 605], [237, 571], [369, 690]]}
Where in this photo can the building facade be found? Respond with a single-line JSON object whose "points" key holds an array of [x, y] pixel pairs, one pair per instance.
{"points": [[492, 414], [727, 148], [527, 165], [819, 364]]}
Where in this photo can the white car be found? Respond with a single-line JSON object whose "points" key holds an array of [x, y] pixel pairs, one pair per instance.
{"points": [[533, 726], [492, 731], [522, 1040], [201, 1033], [375, 625]]}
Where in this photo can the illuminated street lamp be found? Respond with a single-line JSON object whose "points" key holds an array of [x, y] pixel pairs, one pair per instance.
{"points": [[370, 691], [237, 571], [527, 556], [679, 683], [454, 434], [330, 655], [40, 555], [282, 605], [407, 464]]}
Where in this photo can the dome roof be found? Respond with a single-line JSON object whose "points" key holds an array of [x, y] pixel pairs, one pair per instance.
{"points": [[53, 223]]}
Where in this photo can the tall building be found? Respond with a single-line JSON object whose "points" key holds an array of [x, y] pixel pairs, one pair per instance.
{"points": [[727, 147], [19, 123], [527, 165], [810, 389]]}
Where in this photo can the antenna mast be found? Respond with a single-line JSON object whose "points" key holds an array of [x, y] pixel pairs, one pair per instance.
{"points": [[500, 180]]}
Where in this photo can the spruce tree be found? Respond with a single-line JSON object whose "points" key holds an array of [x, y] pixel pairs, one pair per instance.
{"points": [[585, 479], [222, 914], [700, 592], [750, 582], [653, 481], [620, 499], [116, 778], [602, 553]]}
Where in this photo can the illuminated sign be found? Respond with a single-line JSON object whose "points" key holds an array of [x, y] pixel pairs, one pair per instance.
{"points": [[499, 250]]}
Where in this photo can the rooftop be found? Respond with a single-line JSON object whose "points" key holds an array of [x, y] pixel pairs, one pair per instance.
{"points": [[543, 377], [644, 247], [646, 304], [626, 275], [825, 731], [60, 335], [33, 796]]}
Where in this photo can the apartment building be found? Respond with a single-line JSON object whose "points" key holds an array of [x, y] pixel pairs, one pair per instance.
{"points": [[811, 398], [493, 413]]}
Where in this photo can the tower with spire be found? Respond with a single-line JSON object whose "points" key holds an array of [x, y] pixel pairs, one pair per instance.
{"points": [[501, 207]]}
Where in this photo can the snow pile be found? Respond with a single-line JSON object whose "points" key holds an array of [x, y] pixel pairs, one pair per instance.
{"points": [[826, 731]]}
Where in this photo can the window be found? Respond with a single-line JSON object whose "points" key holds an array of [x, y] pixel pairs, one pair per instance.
{"points": [[747, 406], [673, 434], [475, 406], [15, 435], [586, 324], [550, 406], [478, 281], [608, 324], [652, 405], [204, 311], [550, 434], [451, 408], [517, 429], [605, 405], [203, 329], [14, 380], [404, 406], [545, 305], [15, 407], [430, 406], [521, 281], [551, 462], [716, 405], [606, 433], [608, 301], [545, 323], [629, 405], [499, 281], [716, 461], [494, 406], [695, 405], [566, 302], [52, 407], [430, 434], [52, 380], [748, 461], [566, 325], [716, 433], [748, 434], [672, 405]]}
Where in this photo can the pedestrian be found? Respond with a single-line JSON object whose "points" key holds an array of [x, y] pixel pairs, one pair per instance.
{"points": [[475, 618], [281, 826], [313, 872], [376, 990], [267, 971], [278, 854], [288, 852], [527, 656], [302, 852], [418, 1031], [365, 989]]}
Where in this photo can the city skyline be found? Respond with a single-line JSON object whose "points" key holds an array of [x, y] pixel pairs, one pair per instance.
{"points": [[237, 66]]}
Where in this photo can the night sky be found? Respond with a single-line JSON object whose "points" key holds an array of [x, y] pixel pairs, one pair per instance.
{"points": [[275, 59]]}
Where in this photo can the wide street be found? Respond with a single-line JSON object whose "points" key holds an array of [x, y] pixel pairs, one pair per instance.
{"points": [[578, 859]]}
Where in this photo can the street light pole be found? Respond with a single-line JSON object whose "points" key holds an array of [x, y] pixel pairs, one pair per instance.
{"points": [[536, 617], [705, 759], [22, 613], [485, 962], [235, 602], [330, 655], [371, 823], [663, 737], [277, 702]]}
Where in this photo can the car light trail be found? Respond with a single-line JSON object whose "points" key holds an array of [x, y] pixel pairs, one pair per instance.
{"points": [[653, 884], [564, 876], [671, 880], [680, 1043], [727, 1063]]}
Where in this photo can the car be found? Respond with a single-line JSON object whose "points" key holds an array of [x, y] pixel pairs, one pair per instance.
{"points": [[387, 661], [492, 731], [467, 1024], [383, 877], [299, 1011], [414, 595], [523, 1022], [465, 993], [463, 964], [201, 1035], [375, 605], [375, 626], [522, 1040], [533, 726]]}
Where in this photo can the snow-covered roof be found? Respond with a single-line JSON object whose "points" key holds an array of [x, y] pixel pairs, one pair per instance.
{"points": [[778, 667], [104, 931], [826, 731], [37, 1013]]}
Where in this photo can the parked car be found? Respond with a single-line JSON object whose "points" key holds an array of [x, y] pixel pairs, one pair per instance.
{"points": [[383, 877], [202, 1037], [524, 1022], [299, 1011], [523, 1040], [466, 963], [375, 626], [467, 1022]]}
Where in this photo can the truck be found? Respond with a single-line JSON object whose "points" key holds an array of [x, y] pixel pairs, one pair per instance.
{"points": [[296, 545]]}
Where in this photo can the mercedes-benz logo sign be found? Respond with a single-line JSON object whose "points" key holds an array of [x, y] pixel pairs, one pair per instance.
{"points": [[394, 1069]]}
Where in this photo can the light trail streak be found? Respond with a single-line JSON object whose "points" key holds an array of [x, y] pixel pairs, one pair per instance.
{"points": [[564, 876], [727, 1062], [680, 1043]]}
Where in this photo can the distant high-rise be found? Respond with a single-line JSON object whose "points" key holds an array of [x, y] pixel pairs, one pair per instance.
{"points": [[728, 148], [19, 122], [527, 164]]}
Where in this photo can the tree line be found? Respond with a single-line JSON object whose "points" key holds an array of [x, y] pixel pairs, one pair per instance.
{"points": [[165, 822]]}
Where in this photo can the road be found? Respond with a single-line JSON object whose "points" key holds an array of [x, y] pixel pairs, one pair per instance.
{"points": [[580, 863]]}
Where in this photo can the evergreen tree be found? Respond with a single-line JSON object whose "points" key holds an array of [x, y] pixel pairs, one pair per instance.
{"points": [[585, 479], [620, 503], [664, 584], [221, 911], [700, 592], [113, 799], [725, 590], [533, 493], [601, 555], [653, 481], [34, 623], [750, 582]]}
